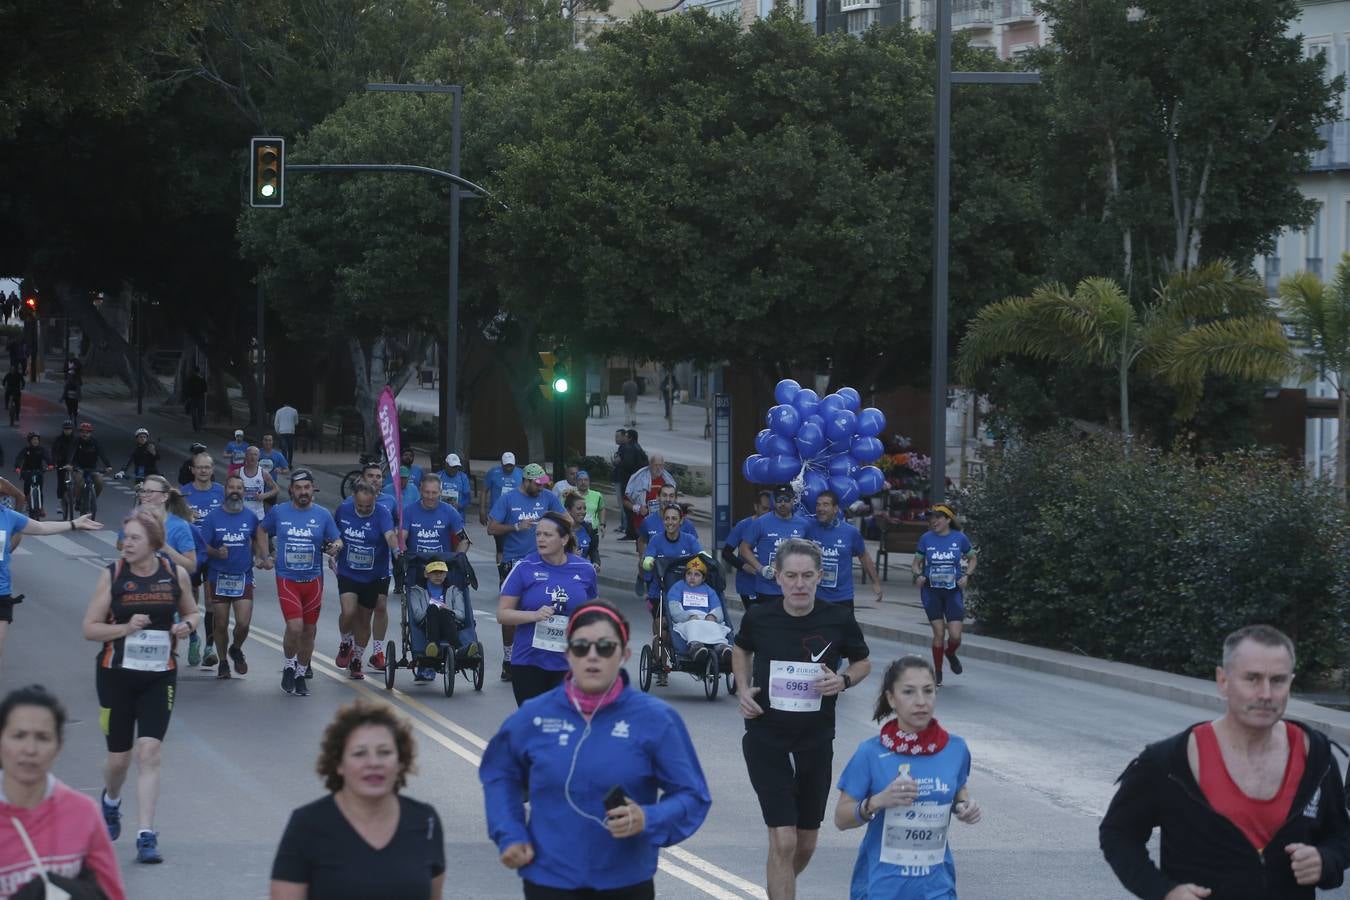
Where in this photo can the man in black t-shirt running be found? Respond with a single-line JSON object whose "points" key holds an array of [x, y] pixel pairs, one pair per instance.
{"points": [[793, 649]]}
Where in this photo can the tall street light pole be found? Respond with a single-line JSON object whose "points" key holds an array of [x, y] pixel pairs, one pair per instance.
{"points": [[942, 157], [450, 359]]}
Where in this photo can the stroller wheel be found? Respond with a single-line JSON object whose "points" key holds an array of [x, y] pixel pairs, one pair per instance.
{"points": [[448, 670], [645, 669], [479, 667], [390, 663], [710, 679]]}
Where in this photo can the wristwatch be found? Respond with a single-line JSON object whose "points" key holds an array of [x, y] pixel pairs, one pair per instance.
{"points": [[848, 682]]}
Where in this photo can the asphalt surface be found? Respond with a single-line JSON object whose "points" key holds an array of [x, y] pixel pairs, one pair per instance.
{"points": [[240, 754]]}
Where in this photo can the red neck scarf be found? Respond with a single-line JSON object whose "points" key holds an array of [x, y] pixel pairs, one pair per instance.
{"points": [[587, 704], [926, 743]]}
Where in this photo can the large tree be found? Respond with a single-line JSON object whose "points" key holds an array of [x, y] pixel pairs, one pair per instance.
{"points": [[1180, 128], [689, 189]]}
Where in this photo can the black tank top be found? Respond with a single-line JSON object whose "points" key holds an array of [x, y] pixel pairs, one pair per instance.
{"points": [[156, 596]]}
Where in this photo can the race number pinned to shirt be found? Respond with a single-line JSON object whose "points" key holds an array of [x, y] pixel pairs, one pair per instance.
{"points": [[147, 651], [551, 634], [916, 835], [360, 559], [792, 686], [829, 573], [694, 600], [942, 576], [230, 584], [299, 555]]}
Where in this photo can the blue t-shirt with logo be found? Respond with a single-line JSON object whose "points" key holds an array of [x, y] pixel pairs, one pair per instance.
{"points": [[365, 552], [745, 582], [654, 524], [234, 531], [764, 535], [272, 461], [498, 482], [11, 523], [905, 853], [431, 530], [540, 584], [202, 501], [942, 555], [660, 546], [234, 453], [839, 543], [698, 601], [455, 489], [516, 506], [300, 534]]}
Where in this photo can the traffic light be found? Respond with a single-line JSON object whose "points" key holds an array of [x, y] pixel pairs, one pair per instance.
{"points": [[547, 369], [30, 304], [267, 171], [560, 384]]}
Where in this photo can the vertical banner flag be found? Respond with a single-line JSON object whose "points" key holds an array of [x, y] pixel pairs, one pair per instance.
{"points": [[386, 417]]}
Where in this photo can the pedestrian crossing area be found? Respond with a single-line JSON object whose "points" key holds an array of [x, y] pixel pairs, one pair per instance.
{"points": [[77, 545]]}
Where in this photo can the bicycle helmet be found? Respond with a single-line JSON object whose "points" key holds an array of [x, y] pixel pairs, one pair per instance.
{"points": [[142, 431], [67, 424], [87, 426], [33, 434]]}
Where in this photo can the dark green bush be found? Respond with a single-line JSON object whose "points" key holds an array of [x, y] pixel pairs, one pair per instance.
{"points": [[1153, 558]]}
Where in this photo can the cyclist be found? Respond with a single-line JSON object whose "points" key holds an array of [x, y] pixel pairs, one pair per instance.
{"points": [[202, 494], [85, 455], [61, 450], [32, 464], [937, 563], [132, 615], [14, 385], [144, 459]]}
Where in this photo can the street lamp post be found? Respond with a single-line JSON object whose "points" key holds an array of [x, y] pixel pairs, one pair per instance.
{"points": [[942, 156], [450, 360]]}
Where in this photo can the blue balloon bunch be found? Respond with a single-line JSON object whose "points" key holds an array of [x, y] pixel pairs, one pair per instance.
{"points": [[816, 443]]}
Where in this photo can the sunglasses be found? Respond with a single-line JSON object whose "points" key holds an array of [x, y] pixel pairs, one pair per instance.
{"points": [[605, 647]]}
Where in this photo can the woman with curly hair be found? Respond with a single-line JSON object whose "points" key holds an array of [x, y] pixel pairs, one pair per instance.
{"points": [[364, 839]]}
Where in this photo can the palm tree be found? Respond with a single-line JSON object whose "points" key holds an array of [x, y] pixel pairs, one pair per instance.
{"points": [[1320, 314], [1203, 321]]}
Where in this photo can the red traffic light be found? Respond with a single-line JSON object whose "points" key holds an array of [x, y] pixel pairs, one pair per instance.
{"points": [[30, 302]]}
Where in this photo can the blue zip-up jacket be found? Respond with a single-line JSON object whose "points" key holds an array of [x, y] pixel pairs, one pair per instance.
{"points": [[638, 742]]}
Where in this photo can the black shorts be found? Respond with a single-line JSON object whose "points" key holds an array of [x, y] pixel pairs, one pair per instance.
{"points": [[6, 608], [199, 577], [793, 785], [367, 592], [645, 890], [528, 682], [134, 704]]}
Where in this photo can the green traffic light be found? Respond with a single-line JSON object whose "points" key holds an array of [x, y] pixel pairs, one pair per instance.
{"points": [[267, 190], [560, 385]]}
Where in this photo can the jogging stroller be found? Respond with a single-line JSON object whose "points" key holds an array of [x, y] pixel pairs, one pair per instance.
{"points": [[660, 655], [451, 659]]}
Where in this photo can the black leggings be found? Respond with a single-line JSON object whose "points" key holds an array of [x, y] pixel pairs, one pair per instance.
{"points": [[442, 626], [645, 890], [531, 681]]}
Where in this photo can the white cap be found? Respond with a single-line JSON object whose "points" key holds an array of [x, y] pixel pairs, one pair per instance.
{"points": [[508, 458], [238, 432], [452, 460]]}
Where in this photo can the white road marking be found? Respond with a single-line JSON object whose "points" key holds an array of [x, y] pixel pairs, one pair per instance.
{"points": [[713, 890], [64, 545]]}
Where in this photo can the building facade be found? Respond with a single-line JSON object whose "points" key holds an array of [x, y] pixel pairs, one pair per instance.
{"points": [[1325, 27]]}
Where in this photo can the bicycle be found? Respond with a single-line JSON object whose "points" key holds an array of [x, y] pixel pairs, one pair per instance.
{"points": [[351, 478], [32, 488], [87, 501]]}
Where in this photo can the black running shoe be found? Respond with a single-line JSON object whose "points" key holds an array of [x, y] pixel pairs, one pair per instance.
{"points": [[301, 686], [939, 678], [240, 664], [288, 680], [954, 663]]}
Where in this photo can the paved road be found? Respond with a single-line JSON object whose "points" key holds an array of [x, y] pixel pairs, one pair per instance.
{"points": [[240, 755]]}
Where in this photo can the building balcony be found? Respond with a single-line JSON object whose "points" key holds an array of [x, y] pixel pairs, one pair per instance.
{"points": [[1335, 156], [854, 5]]}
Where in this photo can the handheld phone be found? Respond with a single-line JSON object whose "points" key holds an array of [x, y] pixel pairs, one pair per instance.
{"points": [[615, 798]]}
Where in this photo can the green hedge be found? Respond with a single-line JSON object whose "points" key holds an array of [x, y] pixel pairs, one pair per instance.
{"points": [[1152, 558]]}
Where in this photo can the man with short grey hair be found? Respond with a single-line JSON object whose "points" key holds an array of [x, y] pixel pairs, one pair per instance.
{"points": [[1250, 806]]}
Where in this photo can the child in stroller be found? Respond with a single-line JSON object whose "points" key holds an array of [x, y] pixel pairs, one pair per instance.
{"points": [[441, 622], [697, 619]]}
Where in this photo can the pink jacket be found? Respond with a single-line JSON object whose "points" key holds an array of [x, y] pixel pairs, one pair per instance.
{"points": [[67, 832]]}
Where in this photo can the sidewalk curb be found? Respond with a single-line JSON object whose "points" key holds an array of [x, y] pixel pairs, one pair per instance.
{"points": [[1196, 692]]}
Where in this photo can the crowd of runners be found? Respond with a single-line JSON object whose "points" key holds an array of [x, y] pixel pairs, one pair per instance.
{"points": [[1249, 805]]}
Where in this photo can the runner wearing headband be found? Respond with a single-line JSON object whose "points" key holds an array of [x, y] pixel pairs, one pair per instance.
{"points": [[938, 564]]}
